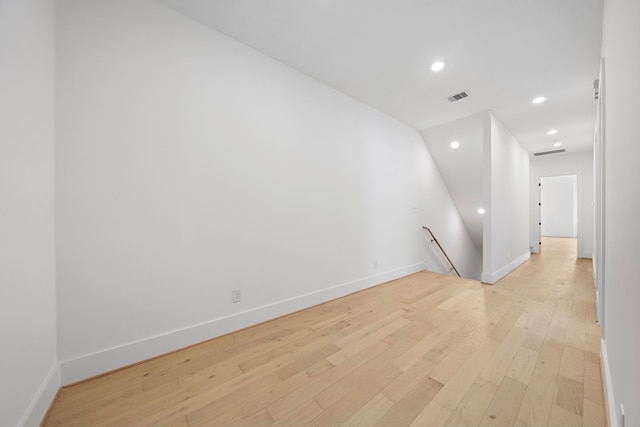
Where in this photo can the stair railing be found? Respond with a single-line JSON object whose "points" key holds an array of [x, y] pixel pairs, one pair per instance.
{"points": [[433, 239]]}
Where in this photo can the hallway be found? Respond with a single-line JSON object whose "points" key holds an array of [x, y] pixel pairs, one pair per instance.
{"points": [[424, 350]]}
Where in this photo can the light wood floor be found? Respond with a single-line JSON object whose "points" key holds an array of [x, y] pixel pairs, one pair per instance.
{"points": [[425, 350]]}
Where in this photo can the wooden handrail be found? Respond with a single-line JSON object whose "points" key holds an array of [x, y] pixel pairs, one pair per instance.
{"points": [[442, 250]]}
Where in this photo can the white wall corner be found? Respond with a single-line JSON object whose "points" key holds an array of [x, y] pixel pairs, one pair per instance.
{"points": [[98, 363], [492, 278], [610, 404], [43, 399], [486, 278]]}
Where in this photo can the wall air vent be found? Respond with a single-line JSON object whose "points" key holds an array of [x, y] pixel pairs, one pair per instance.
{"points": [[544, 153], [458, 96]]}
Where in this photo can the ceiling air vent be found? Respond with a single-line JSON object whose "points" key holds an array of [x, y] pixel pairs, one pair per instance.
{"points": [[544, 153], [458, 96]]}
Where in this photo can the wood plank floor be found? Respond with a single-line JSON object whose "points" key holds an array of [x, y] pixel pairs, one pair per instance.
{"points": [[425, 350]]}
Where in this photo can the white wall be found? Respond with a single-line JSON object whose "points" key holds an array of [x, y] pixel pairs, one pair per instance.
{"points": [[190, 165], [580, 164], [441, 215], [506, 192], [559, 197], [621, 52], [461, 168], [29, 374]]}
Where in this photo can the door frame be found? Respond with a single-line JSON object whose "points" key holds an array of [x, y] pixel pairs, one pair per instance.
{"points": [[599, 200], [538, 230]]}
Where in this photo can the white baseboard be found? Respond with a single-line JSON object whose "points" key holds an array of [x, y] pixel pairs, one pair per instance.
{"points": [[90, 365], [613, 414], [492, 278], [43, 399]]}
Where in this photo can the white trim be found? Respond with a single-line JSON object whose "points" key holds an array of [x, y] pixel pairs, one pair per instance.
{"points": [[585, 255], [42, 400], [90, 365], [613, 413], [492, 278]]}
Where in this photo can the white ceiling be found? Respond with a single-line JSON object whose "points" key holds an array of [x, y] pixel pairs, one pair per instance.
{"points": [[503, 52]]}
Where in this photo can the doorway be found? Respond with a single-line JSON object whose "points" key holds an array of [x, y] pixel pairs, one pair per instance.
{"points": [[558, 204]]}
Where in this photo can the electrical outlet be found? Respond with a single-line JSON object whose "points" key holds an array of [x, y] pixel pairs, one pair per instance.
{"points": [[236, 295], [621, 415]]}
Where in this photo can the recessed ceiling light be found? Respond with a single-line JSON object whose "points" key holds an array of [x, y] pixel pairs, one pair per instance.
{"points": [[557, 144], [437, 66], [481, 211], [454, 144], [552, 132], [539, 100]]}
